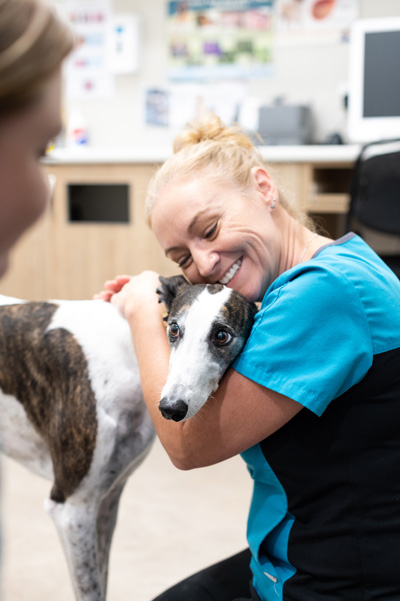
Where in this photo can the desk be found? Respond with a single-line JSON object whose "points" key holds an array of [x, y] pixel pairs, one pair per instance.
{"points": [[60, 258], [318, 176]]}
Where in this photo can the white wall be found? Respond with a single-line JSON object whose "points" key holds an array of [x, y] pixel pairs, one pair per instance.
{"points": [[302, 74]]}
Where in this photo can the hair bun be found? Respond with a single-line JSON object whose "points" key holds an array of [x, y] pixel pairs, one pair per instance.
{"points": [[211, 129]]}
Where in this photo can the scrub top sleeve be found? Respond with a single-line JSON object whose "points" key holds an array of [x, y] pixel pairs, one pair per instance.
{"points": [[311, 339]]}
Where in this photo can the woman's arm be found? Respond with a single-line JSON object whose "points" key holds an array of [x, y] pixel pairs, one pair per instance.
{"points": [[240, 413]]}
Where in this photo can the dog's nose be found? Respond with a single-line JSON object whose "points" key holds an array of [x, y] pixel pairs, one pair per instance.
{"points": [[175, 411]]}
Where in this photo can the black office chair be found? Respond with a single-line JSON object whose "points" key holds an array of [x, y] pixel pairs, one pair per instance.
{"points": [[375, 198]]}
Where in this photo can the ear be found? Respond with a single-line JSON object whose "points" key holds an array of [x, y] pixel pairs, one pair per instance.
{"points": [[169, 288], [264, 183]]}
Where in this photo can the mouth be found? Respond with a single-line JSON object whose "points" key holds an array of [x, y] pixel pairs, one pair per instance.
{"points": [[231, 273]]}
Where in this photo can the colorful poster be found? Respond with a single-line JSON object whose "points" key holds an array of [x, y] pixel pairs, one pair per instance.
{"points": [[209, 39], [314, 21]]}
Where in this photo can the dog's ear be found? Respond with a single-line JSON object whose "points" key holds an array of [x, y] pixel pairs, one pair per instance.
{"points": [[168, 289]]}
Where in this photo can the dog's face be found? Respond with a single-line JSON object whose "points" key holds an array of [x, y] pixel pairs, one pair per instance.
{"points": [[207, 328]]}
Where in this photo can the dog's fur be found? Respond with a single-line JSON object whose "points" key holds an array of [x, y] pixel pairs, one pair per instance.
{"points": [[72, 409]]}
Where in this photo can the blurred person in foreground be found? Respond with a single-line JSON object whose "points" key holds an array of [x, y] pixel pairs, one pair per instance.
{"points": [[33, 43]]}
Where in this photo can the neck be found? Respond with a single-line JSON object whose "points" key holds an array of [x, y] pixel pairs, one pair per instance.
{"points": [[298, 243], [294, 238]]}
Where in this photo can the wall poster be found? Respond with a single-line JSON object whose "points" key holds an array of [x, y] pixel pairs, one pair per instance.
{"points": [[88, 75], [219, 39], [301, 22]]}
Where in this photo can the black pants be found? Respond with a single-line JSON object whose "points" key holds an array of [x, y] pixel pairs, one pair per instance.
{"points": [[228, 580]]}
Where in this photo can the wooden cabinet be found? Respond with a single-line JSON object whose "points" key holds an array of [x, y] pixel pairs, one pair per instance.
{"points": [[320, 189], [71, 259], [67, 259]]}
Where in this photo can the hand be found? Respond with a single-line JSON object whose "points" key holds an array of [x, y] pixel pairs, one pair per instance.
{"points": [[112, 287], [133, 294]]}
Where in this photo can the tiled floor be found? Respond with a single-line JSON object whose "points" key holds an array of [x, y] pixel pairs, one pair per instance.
{"points": [[171, 523]]}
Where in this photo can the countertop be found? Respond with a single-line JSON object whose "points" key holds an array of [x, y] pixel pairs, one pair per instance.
{"points": [[292, 154]]}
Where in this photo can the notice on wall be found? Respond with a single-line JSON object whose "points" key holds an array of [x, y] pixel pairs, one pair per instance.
{"points": [[219, 39], [88, 73], [180, 103], [314, 21]]}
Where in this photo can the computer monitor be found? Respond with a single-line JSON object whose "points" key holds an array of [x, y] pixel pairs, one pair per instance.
{"points": [[374, 80]]}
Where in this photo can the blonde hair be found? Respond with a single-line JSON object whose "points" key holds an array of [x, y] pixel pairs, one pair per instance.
{"points": [[33, 43], [226, 153]]}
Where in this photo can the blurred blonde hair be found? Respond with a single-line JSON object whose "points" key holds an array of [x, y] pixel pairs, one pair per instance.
{"points": [[33, 43], [225, 153]]}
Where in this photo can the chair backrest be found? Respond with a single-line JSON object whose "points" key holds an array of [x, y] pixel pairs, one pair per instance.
{"points": [[375, 193]]}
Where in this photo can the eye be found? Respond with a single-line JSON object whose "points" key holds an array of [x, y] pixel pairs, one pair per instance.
{"points": [[223, 337], [173, 331], [184, 262], [209, 233]]}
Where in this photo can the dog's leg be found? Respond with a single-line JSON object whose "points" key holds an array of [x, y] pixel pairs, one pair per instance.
{"points": [[106, 520], [76, 526]]}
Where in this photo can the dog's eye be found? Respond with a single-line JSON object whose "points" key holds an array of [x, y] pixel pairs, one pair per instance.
{"points": [[174, 331], [223, 337]]}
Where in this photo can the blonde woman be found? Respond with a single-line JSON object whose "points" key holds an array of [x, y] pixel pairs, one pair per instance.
{"points": [[33, 43], [312, 403]]}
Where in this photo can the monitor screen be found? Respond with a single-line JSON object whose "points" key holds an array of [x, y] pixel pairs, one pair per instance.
{"points": [[374, 80]]}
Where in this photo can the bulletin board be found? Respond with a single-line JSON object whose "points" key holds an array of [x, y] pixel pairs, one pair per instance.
{"points": [[210, 39]]}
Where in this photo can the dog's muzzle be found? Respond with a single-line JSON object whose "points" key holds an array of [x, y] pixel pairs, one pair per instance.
{"points": [[175, 410]]}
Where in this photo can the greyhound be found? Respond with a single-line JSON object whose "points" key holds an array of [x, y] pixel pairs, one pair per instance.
{"points": [[72, 408]]}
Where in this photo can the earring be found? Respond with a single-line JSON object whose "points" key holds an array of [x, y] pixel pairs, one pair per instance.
{"points": [[273, 203]]}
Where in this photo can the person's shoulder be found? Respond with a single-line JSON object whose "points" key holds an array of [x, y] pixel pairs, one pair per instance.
{"points": [[347, 280], [346, 265], [311, 281]]}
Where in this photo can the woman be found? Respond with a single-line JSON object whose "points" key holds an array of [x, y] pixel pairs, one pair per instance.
{"points": [[313, 401], [33, 43]]}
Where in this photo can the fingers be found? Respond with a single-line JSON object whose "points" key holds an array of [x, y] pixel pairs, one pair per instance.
{"points": [[112, 287], [104, 295], [117, 283]]}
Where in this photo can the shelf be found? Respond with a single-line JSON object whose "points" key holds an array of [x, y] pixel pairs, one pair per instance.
{"points": [[329, 203]]}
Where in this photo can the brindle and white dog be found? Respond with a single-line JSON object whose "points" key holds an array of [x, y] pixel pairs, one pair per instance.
{"points": [[72, 409]]}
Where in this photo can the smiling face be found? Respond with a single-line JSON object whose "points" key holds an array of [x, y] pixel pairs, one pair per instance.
{"points": [[216, 233], [24, 188]]}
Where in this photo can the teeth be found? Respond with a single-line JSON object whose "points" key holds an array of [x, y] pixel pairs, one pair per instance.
{"points": [[231, 273]]}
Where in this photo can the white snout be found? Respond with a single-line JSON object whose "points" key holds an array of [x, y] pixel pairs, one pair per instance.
{"points": [[191, 383], [194, 371]]}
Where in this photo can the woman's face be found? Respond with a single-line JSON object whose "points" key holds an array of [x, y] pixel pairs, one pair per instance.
{"points": [[215, 233], [24, 188]]}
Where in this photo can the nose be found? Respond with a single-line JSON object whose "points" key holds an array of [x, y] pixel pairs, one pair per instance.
{"points": [[205, 261], [175, 410]]}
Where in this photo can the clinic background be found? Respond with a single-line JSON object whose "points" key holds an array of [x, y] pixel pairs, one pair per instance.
{"points": [[308, 68]]}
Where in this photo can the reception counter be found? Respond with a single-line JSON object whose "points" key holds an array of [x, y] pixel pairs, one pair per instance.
{"points": [[95, 226]]}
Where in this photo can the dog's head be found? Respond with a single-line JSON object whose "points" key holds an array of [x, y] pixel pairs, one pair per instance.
{"points": [[207, 326]]}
